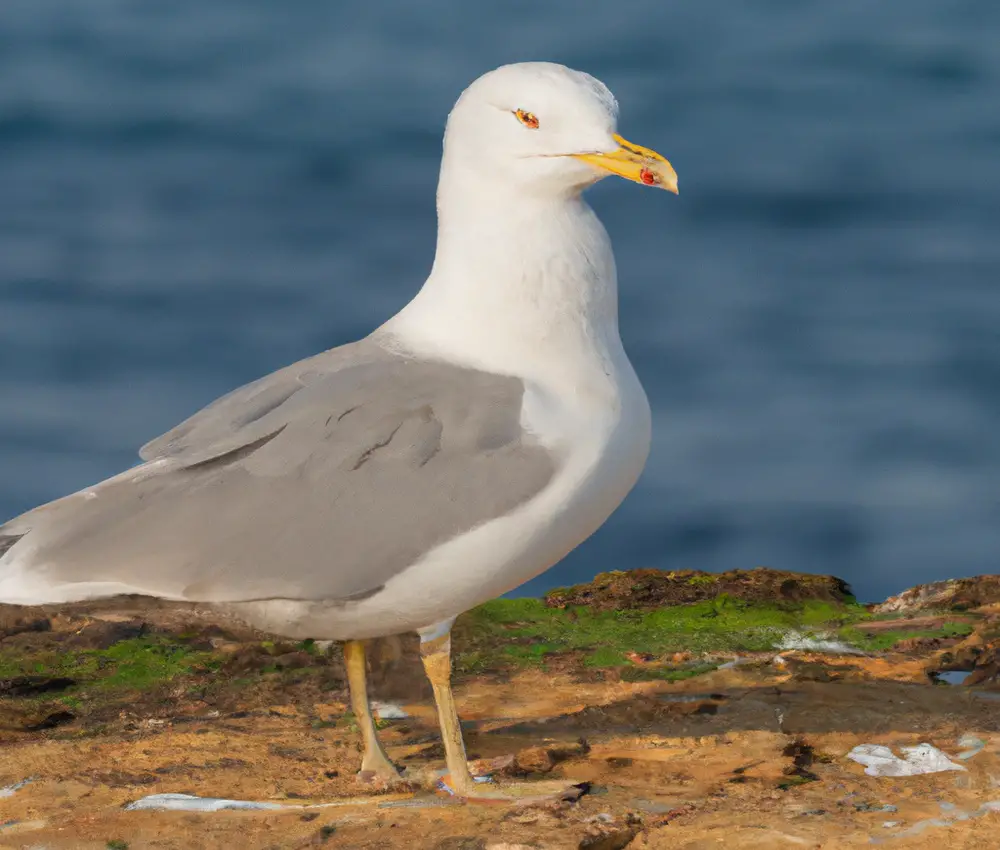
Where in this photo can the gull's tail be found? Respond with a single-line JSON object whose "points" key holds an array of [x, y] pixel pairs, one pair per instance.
{"points": [[17, 539], [39, 550]]}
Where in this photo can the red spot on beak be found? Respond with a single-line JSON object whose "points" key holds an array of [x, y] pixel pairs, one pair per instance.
{"points": [[647, 177]]}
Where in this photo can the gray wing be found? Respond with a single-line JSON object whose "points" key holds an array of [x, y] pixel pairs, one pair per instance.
{"points": [[321, 481], [230, 419]]}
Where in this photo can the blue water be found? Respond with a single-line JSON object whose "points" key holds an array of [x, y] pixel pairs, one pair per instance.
{"points": [[194, 194]]}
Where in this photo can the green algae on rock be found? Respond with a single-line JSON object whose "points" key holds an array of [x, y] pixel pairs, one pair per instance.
{"points": [[527, 632]]}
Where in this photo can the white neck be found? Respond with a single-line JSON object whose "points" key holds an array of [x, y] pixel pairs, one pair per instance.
{"points": [[521, 284]]}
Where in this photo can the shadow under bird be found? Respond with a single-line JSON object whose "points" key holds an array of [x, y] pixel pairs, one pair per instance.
{"points": [[390, 484]]}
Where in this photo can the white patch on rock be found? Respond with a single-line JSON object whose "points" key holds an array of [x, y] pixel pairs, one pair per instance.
{"points": [[191, 803], [918, 760], [388, 710], [9, 790], [812, 643]]}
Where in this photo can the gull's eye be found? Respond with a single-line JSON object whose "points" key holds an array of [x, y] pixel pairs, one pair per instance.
{"points": [[527, 118]]}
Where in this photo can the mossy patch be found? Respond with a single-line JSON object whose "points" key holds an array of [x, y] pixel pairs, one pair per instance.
{"points": [[528, 654], [133, 664], [702, 579], [527, 632], [634, 673], [884, 640], [606, 656], [157, 674]]}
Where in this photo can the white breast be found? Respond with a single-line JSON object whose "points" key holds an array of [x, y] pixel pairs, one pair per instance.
{"points": [[546, 313], [604, 448]]}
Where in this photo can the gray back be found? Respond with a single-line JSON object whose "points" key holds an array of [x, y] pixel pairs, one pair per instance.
{"points": [[321, 481]]}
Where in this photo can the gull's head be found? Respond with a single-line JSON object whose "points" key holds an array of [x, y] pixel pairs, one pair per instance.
{"points": [[542, 128]]}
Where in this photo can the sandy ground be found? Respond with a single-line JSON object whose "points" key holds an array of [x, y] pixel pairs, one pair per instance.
{"points": [[751, 757]]}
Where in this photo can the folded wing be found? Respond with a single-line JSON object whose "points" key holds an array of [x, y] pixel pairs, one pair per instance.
{"points": [[321, 481]]}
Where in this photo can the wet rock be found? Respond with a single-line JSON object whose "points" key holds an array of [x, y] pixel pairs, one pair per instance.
{"points": [[810, 671], [978, 656], [950, 677], [29, 686], [51, 721], [15, 620], [654, 588], [100, 634], [984, 674], [922, 645]]}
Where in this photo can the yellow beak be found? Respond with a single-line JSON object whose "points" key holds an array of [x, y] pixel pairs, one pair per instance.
{"points": [[634, 162]]}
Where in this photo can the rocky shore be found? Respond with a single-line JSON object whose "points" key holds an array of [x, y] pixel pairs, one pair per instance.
{"points": [[645, 709]]}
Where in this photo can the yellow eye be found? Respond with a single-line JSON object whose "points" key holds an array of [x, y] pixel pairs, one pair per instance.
{"points": [[527, 118]]}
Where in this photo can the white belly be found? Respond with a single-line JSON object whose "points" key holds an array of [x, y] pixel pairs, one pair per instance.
{"points": [[604, 453]]}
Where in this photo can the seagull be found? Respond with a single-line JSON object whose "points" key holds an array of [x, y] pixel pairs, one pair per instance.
{"points": [[462, 448]]}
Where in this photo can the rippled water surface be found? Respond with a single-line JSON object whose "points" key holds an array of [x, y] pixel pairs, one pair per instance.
{"points": [[194, 194]]}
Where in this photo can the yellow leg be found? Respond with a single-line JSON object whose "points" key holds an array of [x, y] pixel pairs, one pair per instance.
{"points": [[436, 655], [374, 760]]}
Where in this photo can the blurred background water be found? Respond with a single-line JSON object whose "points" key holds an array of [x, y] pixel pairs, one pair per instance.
{"points": [[194, 194]]}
